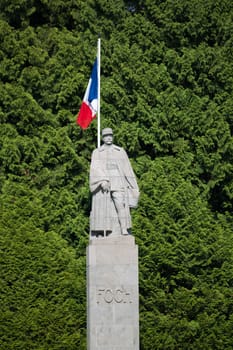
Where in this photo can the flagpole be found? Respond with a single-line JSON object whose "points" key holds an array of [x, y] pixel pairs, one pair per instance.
{"points": [[98, 108]]}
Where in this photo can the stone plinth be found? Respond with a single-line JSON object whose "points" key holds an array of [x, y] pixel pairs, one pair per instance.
{"points": [[112, 294]]}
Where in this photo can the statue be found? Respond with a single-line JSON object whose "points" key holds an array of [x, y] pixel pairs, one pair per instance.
{"points": [[114, 189]]}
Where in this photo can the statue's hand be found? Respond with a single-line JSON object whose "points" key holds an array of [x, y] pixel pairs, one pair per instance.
{"points": [[105, 186]]}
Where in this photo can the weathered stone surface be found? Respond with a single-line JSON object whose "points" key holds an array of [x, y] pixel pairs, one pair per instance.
{"points": [[114, 189], [112, 289]]}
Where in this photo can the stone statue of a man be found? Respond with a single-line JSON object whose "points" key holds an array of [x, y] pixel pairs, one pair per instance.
{"points": [[114, 189]]}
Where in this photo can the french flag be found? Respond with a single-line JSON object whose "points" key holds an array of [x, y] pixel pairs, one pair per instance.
{"points": [[89, 105]]}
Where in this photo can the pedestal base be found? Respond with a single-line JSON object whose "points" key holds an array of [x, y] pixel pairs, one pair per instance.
{"points": [[112, 294]]}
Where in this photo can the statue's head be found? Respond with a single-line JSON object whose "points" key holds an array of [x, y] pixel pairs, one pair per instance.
{"points": [[107, 136]]}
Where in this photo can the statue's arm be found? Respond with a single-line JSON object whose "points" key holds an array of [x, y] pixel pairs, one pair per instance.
{"points": [[98, 177], [129, 173]]}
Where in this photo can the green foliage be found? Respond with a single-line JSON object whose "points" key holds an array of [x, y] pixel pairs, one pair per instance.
{"points": [[185, 259], [42, 281], [166, 90]]}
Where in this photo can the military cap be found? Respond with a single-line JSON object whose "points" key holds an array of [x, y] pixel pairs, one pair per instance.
{"points": [[107, 131]]}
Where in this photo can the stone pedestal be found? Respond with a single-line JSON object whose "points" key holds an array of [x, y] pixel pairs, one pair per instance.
{"points": [[112, 294]]}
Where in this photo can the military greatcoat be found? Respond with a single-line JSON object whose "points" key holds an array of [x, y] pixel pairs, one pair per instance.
{"points": [[110, 163]]}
